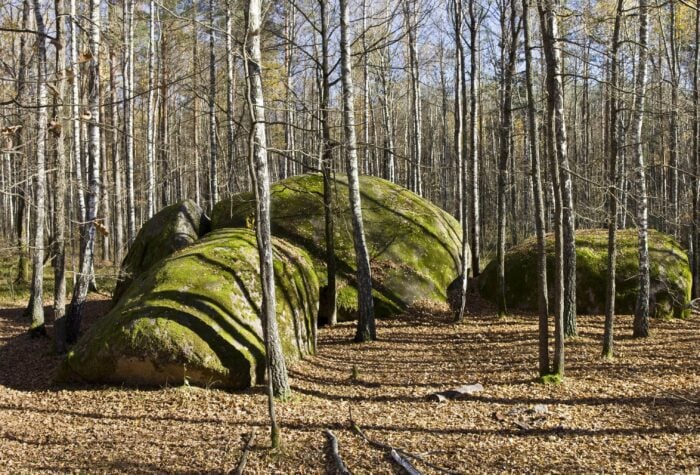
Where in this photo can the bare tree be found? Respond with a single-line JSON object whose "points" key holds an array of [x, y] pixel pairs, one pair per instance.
{"points": [[536, 173], [42, 115], [277, 372], [612, 185], [366, 330], [641, 314], [75, 310]]}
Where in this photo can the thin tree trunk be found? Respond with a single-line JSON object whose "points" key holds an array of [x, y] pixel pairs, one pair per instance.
{"points": [[549, 32], [151, 122], [75, 311], [230, 91], [213, 146], [459, 157], [696, 156], [129, 118], [555, 89], [641, 314], [474, 27], [42, 115], [329, 300], [366, 330], [59, 250], [542, 298], [612, 188], [506, 131], [277, 371], [117, 171]]}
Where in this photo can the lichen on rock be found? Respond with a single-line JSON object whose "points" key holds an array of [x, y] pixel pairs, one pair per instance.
{"points": [[171, 229], [414, 246], [194, 317], [671, 278]]}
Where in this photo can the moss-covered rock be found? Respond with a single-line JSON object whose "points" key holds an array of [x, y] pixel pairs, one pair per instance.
{"points": [[414, 246], [172, 228], [670, 274], [194, 318]]}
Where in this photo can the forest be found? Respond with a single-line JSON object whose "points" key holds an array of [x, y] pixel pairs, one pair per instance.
{"points": [[349, 236]]}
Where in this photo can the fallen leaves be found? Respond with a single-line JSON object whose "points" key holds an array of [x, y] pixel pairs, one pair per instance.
{"points": [[629, 415]]}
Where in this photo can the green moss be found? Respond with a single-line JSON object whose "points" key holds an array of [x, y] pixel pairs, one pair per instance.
{"points": [[172, 228], [553, 379], [199, 310], [670, 274], [414, 246]]}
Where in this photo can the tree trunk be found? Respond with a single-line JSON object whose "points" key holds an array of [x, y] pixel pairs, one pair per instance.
{"points": [[475, 235], [75, 311], [641, 313], [329, 298], [612, 187], [151, 122], [366, 330], [213, 146], [37, 289], [59, 249], [548, 28], [128, 74], [277, 371], [459, 158], [555, 89], [542, 300], [506, 131]]}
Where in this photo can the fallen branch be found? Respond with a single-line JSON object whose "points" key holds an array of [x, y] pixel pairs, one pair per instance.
{"points": [[401, 452], [462, 391], [244, 455], [405, 464], [670, 393], [340, 466]]}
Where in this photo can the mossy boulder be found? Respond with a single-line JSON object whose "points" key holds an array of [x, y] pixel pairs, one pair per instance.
{"points": [[670, 274], [414, 246], [172, 228], [194, 318]]}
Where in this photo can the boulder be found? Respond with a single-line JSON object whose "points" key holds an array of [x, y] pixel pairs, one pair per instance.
{"points": [[414, 246], [172, 228], [193, 318], [670, 274]]}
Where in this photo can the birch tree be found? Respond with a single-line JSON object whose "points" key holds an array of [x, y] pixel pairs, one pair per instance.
{"points": [[641, 314], [75, 310], [366, 330]]}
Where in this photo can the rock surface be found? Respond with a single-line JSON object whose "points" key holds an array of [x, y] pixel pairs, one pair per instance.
{"points": [[670, 274], [193, 318], [171, 229], [414, 246]]}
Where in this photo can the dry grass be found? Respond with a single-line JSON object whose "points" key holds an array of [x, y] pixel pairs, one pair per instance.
{"points": [[632, 415]]}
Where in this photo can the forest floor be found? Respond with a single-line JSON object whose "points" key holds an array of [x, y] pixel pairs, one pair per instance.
{"points": [[636, 414]]}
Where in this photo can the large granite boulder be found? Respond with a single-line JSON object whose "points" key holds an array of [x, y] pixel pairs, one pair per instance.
{"points": [[194, 317], [670, 274], [414, 246], [172, 228]]}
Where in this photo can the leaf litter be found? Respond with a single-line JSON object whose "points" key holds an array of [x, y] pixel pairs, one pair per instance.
{"points": [[637, 413]]}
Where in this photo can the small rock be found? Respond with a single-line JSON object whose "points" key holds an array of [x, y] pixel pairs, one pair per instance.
{"points": [[540, 409]]}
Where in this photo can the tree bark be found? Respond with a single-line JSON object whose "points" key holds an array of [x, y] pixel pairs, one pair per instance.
{"points": [[641, 314], [277, 371], [366, 330], [75, 311], [612, 187], [542, 297], [37, 289]]}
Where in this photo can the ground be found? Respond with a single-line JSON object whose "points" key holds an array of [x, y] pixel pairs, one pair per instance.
{"points": [[638, 413]]}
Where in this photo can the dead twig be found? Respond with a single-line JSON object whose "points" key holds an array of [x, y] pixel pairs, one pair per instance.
{"points": [[340, 466], [401, 452], [244, 455], [670, 393]]}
